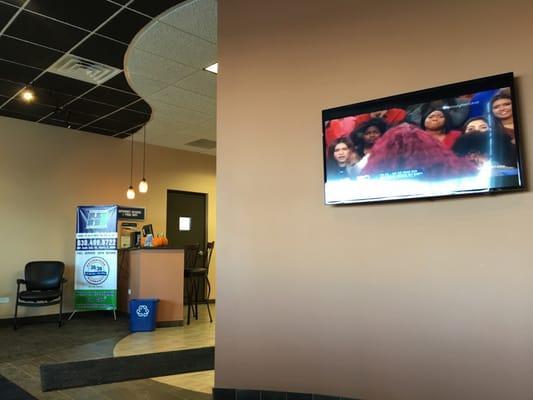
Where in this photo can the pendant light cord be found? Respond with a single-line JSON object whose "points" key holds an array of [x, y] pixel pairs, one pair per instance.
{"points": [[131, 162], [144, 151]]}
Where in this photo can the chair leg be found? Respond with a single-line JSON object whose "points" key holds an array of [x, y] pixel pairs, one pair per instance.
{"points": [[207, 298], [15, 318], [197, 295], [60, 310], [189, 300]]}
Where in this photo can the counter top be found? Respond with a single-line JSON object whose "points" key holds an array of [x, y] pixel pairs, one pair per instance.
{"points": [[152, 248]]}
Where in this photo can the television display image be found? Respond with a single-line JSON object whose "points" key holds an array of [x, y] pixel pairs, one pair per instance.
{"points": [[456, 139]]}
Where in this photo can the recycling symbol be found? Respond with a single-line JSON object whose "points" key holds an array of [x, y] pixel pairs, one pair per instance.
{"points": [[142, 311]]}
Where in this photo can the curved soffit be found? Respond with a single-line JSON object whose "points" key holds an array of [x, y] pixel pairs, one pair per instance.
{"points": [[165, 65]]}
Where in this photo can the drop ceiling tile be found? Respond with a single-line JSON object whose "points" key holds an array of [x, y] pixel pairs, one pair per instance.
{"points": [[9, 88], [51, 98], [12, 114], [111, 96], [112, 125], [28, 54], [153, 7], [6, 12], [146, 86], [17, 73], [187, 100], [201, 82], [196, 17], [100, 131], [15, 2], [177, 114], [34, 109], [90, 107], [60, 122], [62, 84], [160, 124], [107, 51], [131, 117], [85, 14], [155, 67], [124, 26], [166, 41], [140, 106], [119, 82], [44, 31], [77, 118]]}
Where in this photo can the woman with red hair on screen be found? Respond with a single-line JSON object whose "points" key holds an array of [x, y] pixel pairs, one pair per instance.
{"points": [[408, 148]]}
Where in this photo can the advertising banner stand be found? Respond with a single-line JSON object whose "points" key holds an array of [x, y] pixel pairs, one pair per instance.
{"points": [[95, 276]]}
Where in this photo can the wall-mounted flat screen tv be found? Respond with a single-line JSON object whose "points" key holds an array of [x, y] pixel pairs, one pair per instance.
{"points": [[456, 139]]}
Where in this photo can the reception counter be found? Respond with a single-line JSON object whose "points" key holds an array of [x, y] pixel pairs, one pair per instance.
{"points": [[153, 273]]}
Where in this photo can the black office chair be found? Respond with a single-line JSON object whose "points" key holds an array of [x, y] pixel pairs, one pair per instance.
{"points": [[196, 276], [44, 286]]}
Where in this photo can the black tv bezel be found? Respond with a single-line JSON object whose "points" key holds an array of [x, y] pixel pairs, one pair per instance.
{"points": [[423, 96]]}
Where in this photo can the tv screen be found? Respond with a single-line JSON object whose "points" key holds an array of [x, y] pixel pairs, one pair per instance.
{"points": [[456, 139]]}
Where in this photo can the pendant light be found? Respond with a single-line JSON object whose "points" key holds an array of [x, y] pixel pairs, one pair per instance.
{"points": [[130, 194], [143, 185]]}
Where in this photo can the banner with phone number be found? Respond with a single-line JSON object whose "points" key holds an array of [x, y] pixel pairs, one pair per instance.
{"points": [[95, 284]]}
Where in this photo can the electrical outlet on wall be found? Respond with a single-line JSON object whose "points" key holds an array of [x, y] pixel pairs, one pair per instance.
{"points": [[4, 300]]}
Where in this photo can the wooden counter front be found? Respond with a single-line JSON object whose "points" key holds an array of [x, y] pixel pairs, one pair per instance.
{"points": [[154, 273]]}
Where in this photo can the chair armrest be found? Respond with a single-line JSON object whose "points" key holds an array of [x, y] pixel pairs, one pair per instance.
{"points": [[21, 281]]}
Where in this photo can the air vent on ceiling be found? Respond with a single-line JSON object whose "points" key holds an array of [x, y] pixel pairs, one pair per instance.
{"points": [[83, 69], [203, 144]]}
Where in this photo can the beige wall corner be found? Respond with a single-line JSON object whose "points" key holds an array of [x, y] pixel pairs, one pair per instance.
{"points": [[413, 300]]}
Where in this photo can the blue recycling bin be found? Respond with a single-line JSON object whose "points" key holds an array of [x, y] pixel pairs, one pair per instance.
{"points": [[143, 314]]}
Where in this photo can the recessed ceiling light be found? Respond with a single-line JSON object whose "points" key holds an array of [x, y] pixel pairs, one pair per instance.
{"points": [[212, 68], [27, 95]]}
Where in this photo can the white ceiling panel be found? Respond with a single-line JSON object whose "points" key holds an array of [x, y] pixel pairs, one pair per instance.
{"points": [[201, 82], [142, 63], [178, 114], [144, 85], [171, 43], [196, 17], [185, 99], [165, 65]]}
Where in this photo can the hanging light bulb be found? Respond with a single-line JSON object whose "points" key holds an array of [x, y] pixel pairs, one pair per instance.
{"points": [[143, 185], [130, 194], [27, 94]]}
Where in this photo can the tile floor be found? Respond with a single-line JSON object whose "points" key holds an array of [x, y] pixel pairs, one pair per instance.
{"points": [[95, 336], [200, 333]]}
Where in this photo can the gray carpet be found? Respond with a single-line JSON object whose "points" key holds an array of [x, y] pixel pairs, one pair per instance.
{"points": [[118, 369]]}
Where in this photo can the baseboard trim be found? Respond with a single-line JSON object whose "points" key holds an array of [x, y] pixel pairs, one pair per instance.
{"points": [[247, 394], [169, 324]]}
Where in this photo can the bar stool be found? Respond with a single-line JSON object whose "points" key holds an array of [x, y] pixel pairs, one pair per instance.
{"points": [[197, 275]]}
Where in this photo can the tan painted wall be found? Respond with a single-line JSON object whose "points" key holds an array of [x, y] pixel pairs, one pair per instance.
{"points": [[45, 172], [412, 300]]}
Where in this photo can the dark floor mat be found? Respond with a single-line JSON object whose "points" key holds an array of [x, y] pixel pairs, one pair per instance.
{"points": [[10, 391], [118, 369]]}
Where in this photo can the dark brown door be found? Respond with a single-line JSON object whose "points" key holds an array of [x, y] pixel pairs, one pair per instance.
{"points": [[187, 223], [186, 218]]}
